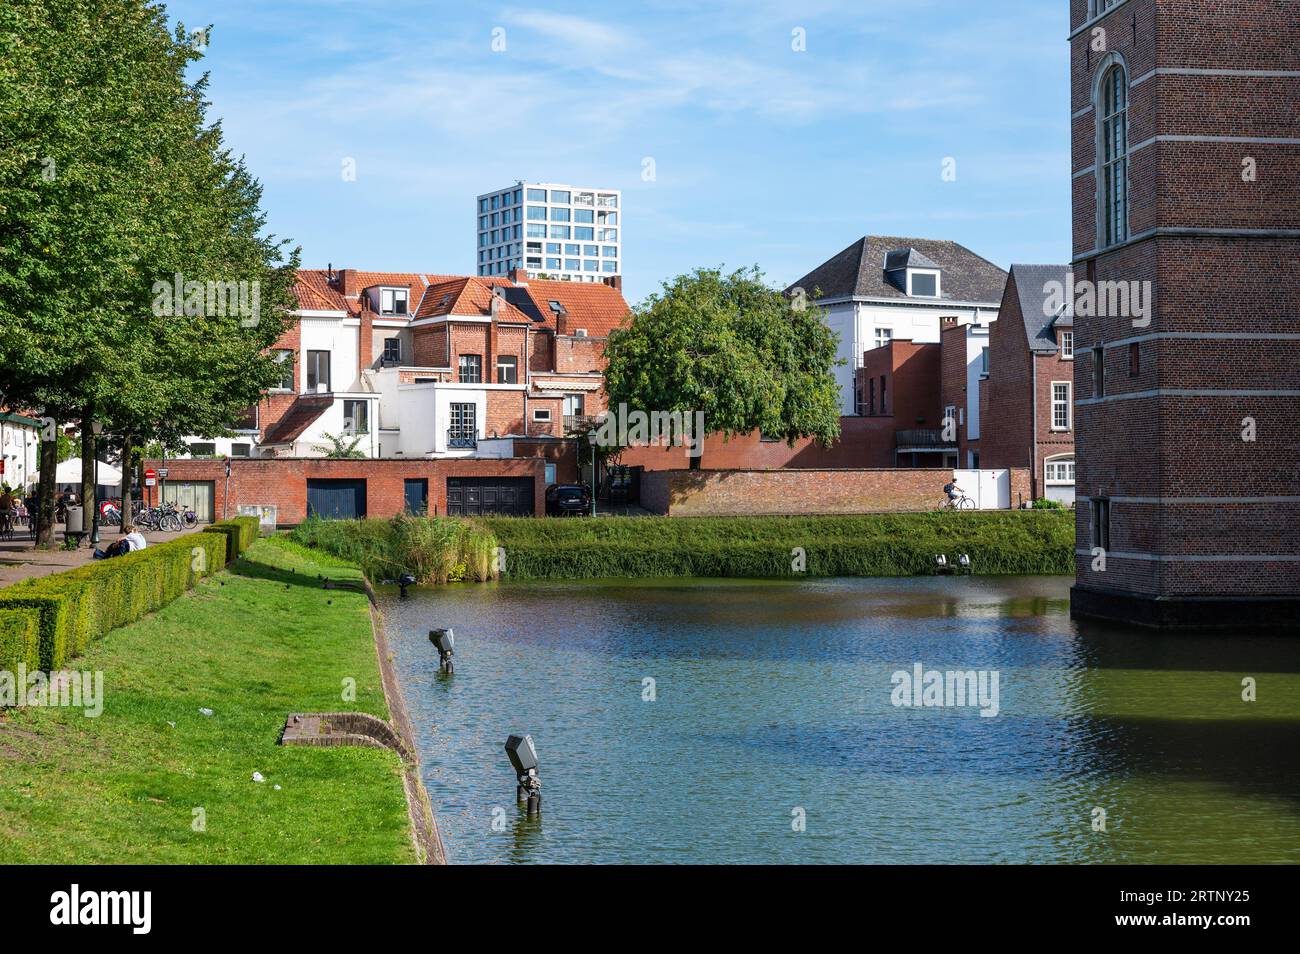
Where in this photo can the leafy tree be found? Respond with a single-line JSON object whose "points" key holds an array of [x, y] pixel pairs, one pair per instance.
{"points": [[341, 448], [112, 180], [734, 348]]}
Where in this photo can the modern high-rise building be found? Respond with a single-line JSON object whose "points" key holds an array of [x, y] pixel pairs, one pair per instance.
{"points": [[1186, 180], [570, 233]]}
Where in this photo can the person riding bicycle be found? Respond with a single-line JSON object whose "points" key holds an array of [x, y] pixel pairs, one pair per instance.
{"points": [[954, 492]]}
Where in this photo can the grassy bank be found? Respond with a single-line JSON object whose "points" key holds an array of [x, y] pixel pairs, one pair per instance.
{"points": [[252, 644], [1037, 542], [433, 549]]}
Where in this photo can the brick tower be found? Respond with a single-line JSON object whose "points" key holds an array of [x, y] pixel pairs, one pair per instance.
{"points": [[1185, 119]]}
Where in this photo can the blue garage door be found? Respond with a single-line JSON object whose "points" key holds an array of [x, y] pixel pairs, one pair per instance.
{"points": [[336, 499]]}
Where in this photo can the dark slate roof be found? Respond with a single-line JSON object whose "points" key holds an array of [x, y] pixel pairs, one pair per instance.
{"points": [[1031, 295], [907, 258], [859, 271]]}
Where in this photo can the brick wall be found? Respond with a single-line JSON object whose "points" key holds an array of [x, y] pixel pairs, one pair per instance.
{"points": [[686, 493], [1169, 463], [282, 482]]}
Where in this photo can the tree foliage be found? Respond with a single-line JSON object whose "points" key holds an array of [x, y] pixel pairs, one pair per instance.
{"points": [[734, 348]]}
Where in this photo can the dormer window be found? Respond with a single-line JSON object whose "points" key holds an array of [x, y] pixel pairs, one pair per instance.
{"points": [[913, 274], [922, 284], [392, 301]]}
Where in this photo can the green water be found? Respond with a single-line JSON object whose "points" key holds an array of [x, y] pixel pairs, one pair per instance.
{"points": [[772, 706]]}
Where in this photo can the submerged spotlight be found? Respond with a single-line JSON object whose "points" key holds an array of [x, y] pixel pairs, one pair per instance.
{"points": [[523, 758], [445, 642], [403, 581]]}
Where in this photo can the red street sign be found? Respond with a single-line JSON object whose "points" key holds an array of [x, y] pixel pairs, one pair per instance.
{"points": [[150, 474]]}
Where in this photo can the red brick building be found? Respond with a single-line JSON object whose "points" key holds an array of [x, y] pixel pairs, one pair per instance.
{"points": [[1028, 391], [1186, 184]]}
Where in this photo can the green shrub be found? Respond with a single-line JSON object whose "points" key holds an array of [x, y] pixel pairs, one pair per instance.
{"points": [[241, 533], [1043, 503], [432, 549], [19, 640], [76, 606]]}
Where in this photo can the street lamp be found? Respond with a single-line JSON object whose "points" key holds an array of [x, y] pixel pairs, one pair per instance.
{"points": [[523, 757], [97, 428]]}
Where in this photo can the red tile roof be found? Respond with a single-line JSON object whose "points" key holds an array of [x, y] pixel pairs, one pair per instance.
{"points": [[594, 307]]}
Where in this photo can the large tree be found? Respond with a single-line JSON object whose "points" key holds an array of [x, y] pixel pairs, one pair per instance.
{"points": [[734, 348], [111, 181]]}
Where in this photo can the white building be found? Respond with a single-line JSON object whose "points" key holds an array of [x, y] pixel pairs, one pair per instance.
{"points": [[20, 440], [572, 233], [882, 287]]}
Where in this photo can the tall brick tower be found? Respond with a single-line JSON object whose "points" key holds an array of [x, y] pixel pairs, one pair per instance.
{"points": [[1185, 119]]}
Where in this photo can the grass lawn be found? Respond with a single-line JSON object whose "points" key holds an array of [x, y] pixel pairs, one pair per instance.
{"points": [[252, 644]]}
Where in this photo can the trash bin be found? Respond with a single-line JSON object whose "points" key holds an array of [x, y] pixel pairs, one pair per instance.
{"points": [[75, 522]]}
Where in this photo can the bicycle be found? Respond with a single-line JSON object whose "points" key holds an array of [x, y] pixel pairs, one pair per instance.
{"points": [[961, 503]]}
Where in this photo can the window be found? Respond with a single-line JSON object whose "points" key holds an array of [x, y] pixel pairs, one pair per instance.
{"points": [[464, 426], [392, 351], [871, 403], [356, 417], [1112, 162], [507, 369], [1134, 360], [1067, 345], [591, 250], [883, 408], [536, 212], [608, 251], [536, 231], [241, 450], [573, 405], [541, 414], [285, 359], [559, 195], [471, 369], [609, 266], [392, 301], [559, 231], [1098, 371], [553, 264], [536, 195], [883, 336], [924, 285], [1101, 523], [590, 266], [1059, 470], [949, 417], [203, 450], [984, 361], [583, 215], [559, 215], [583, 233], [552, 248], [318, 371], [571, 264], [1061, 405]]}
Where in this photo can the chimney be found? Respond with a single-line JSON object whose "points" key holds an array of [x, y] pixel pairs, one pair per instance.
{"points": [[947, 321], [615, 282], [347, 281], [519, 276], [498, 299]]}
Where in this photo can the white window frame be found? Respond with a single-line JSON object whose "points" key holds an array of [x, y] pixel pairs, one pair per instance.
{"points": [[392, 294], [1051, 463], [1067, 404], [887, 334], [938, 282], [541, 415], [1067, 345]]}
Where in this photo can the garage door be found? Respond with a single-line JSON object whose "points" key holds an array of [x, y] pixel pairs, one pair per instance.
{"points": [[336, 499], [474, 496], [197, 495]]}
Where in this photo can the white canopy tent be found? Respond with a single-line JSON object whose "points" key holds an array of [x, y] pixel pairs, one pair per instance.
{"points": [[69, 472]]}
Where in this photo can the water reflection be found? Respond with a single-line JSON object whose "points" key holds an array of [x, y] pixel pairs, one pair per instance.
{"points": [[775, 696]]}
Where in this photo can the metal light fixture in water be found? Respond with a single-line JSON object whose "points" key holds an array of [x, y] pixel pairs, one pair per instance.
{"points": [[523, 757], [964, 562], [445, 642], [403, 581]]}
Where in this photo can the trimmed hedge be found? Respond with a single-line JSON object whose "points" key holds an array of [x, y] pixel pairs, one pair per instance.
{"points": [[70, 609], [240, 532], [872, 545]]}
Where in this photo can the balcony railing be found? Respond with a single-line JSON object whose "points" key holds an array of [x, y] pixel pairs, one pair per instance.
{"points": [[578, 423], [460, 439], [922, 437]]}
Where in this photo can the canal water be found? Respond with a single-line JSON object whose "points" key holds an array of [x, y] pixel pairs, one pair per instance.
{"points": [[725, 721]]}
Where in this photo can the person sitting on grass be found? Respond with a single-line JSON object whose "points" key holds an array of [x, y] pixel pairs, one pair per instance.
{"points": [[133, 540]]}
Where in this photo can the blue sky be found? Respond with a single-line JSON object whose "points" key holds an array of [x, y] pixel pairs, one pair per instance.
{"points": [[762, 154]]}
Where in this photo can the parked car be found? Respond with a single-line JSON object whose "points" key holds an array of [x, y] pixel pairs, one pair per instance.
{"points": [[563, 500]]}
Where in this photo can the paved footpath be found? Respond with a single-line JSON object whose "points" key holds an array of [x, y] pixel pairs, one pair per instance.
{"points": [[19, 560]]}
